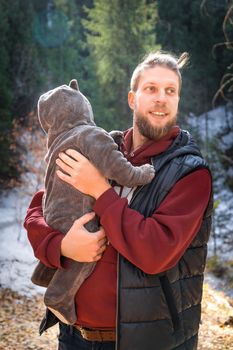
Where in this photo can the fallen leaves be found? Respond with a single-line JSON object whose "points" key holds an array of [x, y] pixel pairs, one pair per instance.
{"points": [[20, 317], [215, 332]]}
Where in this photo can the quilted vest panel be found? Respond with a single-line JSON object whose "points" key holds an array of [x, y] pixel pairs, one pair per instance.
{"points": [[162, 311]]}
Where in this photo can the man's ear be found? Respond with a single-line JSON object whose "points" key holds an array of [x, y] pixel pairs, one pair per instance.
{"points": [[131, 97]]}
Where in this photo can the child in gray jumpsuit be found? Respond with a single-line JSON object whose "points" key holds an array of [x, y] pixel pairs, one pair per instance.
{"points": [[66, 116]]}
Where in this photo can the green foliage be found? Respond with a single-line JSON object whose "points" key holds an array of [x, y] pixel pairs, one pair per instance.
{"points": [[56, 31], [118, 33], [5, 93], [12, 72], [185, 26], [221, 269], [216, 203], [99, 42], [214, 265], [34, 59]]}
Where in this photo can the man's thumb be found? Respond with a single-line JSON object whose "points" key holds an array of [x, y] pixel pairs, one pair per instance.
{"points": [[85, 218]]}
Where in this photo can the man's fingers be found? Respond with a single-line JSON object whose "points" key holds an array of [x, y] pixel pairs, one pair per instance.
{"points": [[103, 241], [66, 159], [64, 166], [64, 177], [100, 234], [98, 257], [75, 154], [85, 219], [101, 249]]}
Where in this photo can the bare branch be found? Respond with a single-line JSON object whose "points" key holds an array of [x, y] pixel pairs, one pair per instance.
{"points": [[223, 86], [228, 159], [227, 19], [203, 8]]}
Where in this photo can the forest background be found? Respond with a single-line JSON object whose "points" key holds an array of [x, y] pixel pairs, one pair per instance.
{"points": [[46, 43]]}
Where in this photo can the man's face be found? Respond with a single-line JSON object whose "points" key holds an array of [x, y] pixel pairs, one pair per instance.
{"points": [[155, 103]]}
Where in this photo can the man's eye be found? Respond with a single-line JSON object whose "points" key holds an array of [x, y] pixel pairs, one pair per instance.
{"points": [[171, 91], [150, 88]]}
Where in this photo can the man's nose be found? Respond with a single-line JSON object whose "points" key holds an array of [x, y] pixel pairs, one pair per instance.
{"points": [[160, 96]]}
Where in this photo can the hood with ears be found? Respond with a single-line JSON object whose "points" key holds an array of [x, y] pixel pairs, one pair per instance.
{"points": [[64, 108]]}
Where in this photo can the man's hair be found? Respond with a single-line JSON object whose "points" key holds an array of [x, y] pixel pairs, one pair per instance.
{"points": [[159, 58]]}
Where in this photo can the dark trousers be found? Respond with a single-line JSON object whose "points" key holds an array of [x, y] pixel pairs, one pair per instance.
{"points": [[71, 339]]}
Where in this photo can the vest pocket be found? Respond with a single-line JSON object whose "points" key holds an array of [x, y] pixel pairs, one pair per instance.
{"points": [[169, 297]]}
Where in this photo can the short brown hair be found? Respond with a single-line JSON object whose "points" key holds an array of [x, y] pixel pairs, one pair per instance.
{"points": [[159, 59]]}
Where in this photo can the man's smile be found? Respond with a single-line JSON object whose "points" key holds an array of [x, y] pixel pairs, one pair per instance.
{"points": [[158, 114]]}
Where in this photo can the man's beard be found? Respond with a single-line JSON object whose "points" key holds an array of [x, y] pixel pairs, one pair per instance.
{"points": [[152, 132]]}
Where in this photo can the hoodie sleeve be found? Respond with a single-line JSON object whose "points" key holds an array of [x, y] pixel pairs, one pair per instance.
{"points": [[45, 241], [156, 244]]}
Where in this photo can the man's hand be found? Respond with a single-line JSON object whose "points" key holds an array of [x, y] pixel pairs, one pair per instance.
{"points": [[81, 245], [81, 173]]}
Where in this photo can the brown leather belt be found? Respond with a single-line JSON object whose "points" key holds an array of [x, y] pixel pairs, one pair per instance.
{"points": [[97, 335]]}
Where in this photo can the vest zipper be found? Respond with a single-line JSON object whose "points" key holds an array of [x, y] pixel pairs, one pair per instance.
{"points": [[118, 270]]}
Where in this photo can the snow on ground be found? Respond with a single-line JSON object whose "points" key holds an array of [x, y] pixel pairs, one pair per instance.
{"points": [[206, 127], [221, 240], [16, 256], [213, 121]]}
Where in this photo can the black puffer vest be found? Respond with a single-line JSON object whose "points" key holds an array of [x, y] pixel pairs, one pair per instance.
{"points": [[162, 311]]}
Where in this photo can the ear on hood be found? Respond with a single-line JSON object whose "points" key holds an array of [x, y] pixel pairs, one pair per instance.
{"points": [[74, 84]]}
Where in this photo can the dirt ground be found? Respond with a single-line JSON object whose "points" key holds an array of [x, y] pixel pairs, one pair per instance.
{"points": [[20, 317]]}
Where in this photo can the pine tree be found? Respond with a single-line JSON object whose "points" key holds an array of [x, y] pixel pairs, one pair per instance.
{"points": [[5, 97], [17, 63], [119, 33], [186, 26]]}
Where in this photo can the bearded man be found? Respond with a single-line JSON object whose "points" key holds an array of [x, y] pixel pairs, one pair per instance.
{"points": [[145, 291]]}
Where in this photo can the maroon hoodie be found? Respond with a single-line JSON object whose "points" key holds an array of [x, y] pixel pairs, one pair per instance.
{"points": [[154, 244]]}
